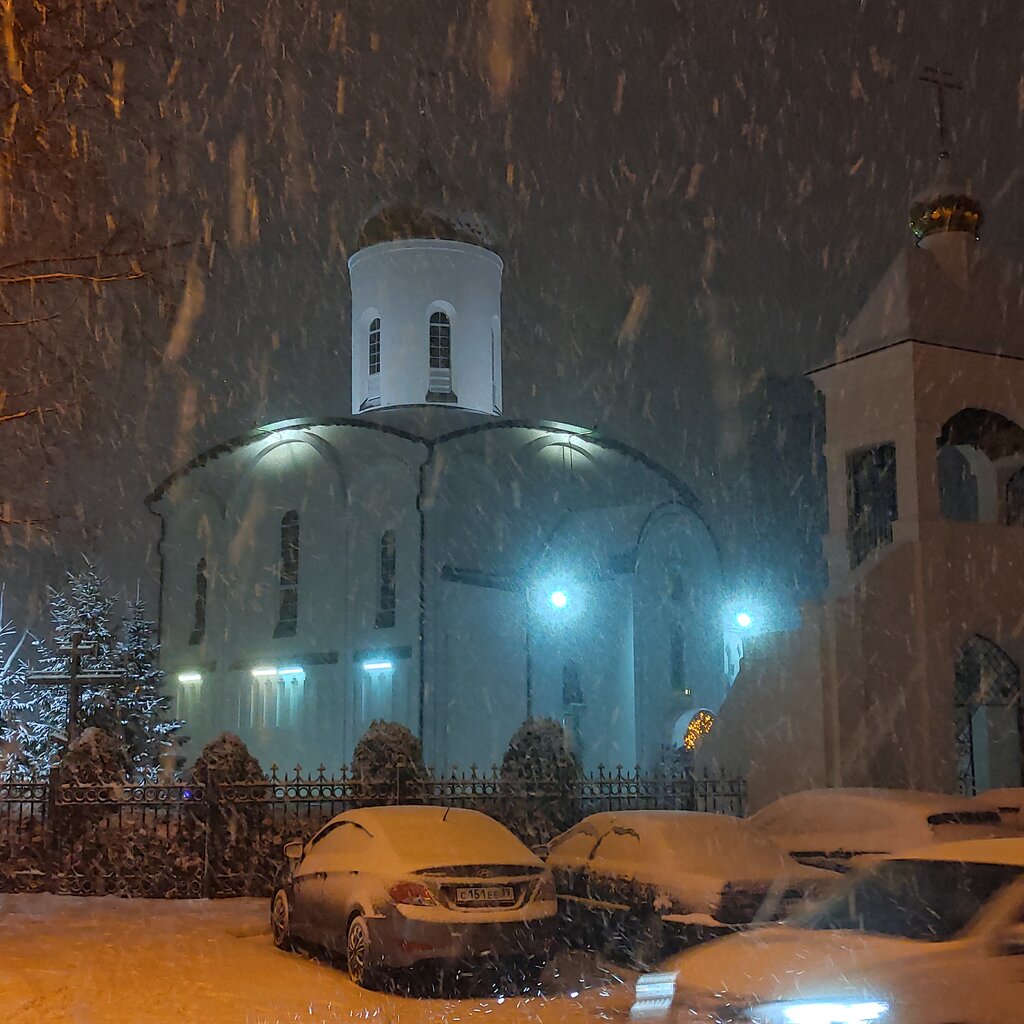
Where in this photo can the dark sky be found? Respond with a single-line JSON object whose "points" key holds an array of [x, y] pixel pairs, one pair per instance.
{"points": [[690, 196]]}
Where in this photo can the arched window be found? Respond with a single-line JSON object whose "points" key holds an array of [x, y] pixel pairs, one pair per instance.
{"points": [[440, 388], [677, 659], [1015, 499], [386, 598], [572, 688], [440, 341], [199, 611], [288, 576], [374, 345], [987, 709]]}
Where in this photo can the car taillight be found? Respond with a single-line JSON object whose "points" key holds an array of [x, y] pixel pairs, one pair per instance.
{"points": [[412, 893], [546, 889]]}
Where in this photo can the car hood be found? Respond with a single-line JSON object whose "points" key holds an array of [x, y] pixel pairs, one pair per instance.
{"points": [[780, 962]]}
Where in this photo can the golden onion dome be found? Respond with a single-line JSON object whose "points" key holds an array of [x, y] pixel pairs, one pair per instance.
{"points": [[424, 209], [945, 205]]}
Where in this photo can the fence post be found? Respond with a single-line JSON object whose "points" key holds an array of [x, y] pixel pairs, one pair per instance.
{"points": [[208, 797]]}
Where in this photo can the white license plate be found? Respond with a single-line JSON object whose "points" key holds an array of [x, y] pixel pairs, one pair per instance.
{"points": [[485, 894]]}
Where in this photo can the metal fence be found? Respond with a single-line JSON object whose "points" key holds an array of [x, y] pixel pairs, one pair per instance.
{"points": [[224, 838]]}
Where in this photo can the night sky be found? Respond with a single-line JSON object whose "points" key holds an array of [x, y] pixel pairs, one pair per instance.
{"points": [[690, 198]]}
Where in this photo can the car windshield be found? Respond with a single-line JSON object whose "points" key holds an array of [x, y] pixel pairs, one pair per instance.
{"points": [[912, 899]]}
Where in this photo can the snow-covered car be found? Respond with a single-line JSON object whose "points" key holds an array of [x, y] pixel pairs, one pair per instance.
{"points": [[391, 886], [933, 936], [1009, 803], [837, 828], [643, 882]]}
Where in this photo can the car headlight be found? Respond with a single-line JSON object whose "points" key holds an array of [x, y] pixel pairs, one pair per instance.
{"points": [[871, 1011]]}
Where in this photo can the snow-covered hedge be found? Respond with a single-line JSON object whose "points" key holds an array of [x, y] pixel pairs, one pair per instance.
{"points": [[540, 776], [388, 765]]}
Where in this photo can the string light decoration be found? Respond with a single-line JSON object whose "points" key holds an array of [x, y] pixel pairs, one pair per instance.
{"points": [[700, 725]]}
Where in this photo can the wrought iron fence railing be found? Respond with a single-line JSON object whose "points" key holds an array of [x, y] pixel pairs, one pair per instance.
{"points": [[219, 837]]}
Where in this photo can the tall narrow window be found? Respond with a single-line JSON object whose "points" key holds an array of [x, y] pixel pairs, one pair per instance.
{"points": [[1015, 499], [871, 500], [199, 611], [288, 577], [440, 341], [440, 389], [572, 688], [677, 659], [374, 345], [386, 598]]}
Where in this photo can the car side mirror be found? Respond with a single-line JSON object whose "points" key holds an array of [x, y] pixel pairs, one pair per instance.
{"points": [[293, 849], [1011, 940], [540, 850]]}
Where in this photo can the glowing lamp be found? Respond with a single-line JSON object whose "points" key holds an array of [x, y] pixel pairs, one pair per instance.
{"points": [[559, 598]]}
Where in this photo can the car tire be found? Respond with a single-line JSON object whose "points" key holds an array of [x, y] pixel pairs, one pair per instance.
{"points": [[281, 920], [359, 954], [528, 972], [647, 942]]}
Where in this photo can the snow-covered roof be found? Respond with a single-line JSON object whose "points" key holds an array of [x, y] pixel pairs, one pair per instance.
{"points": [[919, 299]]}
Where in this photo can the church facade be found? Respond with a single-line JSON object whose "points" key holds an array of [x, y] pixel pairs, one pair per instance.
{"points": [[423, 559], [907, 673]]}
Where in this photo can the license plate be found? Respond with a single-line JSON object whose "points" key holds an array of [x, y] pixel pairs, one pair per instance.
{"points": [[485, 894]]}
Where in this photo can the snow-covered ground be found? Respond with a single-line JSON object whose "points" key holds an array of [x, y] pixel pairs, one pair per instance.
{"points": [[93, 960]]}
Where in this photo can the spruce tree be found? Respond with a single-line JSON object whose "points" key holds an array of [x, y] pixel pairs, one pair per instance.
{"points": [[133, 710], [145, 730], [18, 731]]}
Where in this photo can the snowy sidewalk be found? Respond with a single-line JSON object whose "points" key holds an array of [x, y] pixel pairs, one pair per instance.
{"points": [[104, 960]]}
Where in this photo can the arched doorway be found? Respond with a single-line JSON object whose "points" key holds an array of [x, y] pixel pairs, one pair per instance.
{"points": [[987, 717], [689, 732]]}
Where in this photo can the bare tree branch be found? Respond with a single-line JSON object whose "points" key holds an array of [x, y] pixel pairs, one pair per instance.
{"points": [[128, 275]]}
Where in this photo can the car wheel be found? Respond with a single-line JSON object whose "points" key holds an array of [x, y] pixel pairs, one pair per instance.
{"points": [[647, 943], [281, 920], [359, 954]]}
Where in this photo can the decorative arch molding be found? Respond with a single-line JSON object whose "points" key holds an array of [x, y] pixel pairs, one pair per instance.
{"points": [[988, 430], [692, 522], [248, 479]]}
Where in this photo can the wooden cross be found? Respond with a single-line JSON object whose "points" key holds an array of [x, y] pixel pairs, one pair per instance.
{"points": [[942, 80], [74, 680]]}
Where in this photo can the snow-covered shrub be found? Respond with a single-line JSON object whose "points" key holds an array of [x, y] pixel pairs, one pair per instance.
{"points": [[92, 759], [231, 814], [540, 774], [388, 765]]}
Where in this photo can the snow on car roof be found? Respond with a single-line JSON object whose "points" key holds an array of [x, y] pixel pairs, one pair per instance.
{"points": [[420, 837], [971, 851], [878, 820], [701, 840], [1002, 799], [815, 809]]}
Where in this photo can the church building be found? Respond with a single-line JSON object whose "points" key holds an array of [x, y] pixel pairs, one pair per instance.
{"points": [[907, 673], [423, 558]]}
